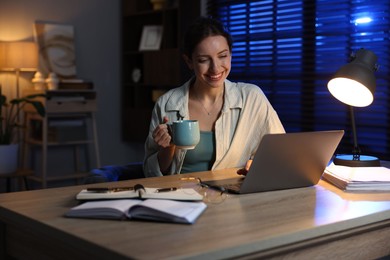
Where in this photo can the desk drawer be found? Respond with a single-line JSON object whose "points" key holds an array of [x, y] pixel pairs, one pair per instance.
{"points": [[70, 106]]}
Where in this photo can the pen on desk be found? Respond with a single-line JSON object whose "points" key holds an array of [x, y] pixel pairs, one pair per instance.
{"points": [[108, 189], [166, 189]]}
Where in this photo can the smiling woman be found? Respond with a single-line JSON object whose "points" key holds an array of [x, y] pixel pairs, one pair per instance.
{"points": [[233, 117]]}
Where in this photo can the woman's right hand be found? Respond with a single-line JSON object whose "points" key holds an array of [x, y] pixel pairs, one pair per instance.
{"points": [[161, 134], [244, 171]]}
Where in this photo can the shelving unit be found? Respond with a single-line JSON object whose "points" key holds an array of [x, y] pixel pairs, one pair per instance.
{"points": [[69, 122], [161, 69]]}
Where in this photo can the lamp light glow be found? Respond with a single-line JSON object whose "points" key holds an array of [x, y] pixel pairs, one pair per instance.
{"points": [[354, 84], [18, 55], [361, 96]]}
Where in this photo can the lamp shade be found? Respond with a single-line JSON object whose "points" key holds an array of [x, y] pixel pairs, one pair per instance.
{"points": [[354, 84], [18, 55]]}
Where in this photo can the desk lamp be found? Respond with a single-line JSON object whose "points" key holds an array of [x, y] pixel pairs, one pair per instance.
{"points": [[354, 84]]}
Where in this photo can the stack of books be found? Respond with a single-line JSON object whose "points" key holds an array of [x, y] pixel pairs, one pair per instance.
{"points": [[358, 179], [75, 84]]}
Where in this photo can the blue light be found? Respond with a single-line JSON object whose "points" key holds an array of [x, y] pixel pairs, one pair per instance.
{"points": [[363, 20]]}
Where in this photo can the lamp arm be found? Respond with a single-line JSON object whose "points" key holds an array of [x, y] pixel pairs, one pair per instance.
{"points": [[356, 149]]}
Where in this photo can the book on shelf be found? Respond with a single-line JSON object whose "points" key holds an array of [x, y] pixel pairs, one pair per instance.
{"points": [[70, 95], [73, 80], [75, 84], [151, 209], [358, 179], [140, 192], [68, 98], [66, 122]]}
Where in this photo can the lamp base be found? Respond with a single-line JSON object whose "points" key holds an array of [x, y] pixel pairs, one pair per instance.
{"points": [[363, 161]]}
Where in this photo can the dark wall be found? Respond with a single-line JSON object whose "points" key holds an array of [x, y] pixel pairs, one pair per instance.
{"points": [[97, 43]]}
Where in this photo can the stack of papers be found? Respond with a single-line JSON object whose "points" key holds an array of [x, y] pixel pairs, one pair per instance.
{"points": [[358, 179]]}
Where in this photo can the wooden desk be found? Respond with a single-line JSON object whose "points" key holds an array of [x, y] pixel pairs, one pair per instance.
{"points": [[314, 222]]}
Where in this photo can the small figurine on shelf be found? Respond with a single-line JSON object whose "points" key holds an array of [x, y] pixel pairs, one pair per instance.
{"points": [[136, 75], [38, 81], [52, 81]]}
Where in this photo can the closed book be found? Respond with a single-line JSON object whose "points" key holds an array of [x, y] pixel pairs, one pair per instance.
{"points": [[151, 209], [75, 85]]}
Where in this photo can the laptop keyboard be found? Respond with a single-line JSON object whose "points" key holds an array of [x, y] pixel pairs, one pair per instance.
{"points": [[234, 187]]}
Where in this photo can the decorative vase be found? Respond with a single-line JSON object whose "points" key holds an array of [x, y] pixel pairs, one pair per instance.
{"points": [[52, 81], [8, 158], [38, 81], [158, 4]]}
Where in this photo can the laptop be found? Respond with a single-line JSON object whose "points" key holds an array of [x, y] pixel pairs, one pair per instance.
{"points": [[285, 161]]}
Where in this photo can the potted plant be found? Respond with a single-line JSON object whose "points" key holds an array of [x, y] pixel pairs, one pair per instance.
{"points": [[9, 125]]}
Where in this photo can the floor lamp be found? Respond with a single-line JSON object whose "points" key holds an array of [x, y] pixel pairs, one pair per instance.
{"points": [[354, 84], [17, 57]]}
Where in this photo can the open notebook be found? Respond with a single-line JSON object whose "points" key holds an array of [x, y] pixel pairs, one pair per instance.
{"points": [[285, 161]]}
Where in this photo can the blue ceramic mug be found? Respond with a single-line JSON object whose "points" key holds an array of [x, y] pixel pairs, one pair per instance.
{"points": [[185, 133]]}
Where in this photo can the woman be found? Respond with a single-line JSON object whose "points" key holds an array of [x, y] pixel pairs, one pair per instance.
{"points": [[233, 117]]}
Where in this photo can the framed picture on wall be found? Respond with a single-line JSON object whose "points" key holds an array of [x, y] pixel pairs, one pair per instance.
{"points": [[56, 49], [151, 37]]}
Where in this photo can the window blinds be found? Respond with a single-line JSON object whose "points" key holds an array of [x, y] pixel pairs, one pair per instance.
{"points": [[291, 48]]}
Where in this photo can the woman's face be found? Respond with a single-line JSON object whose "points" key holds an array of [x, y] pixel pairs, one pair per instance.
{"points": [[211, 61]]}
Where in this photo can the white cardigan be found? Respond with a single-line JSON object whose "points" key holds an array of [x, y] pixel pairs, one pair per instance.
{"points": [[245, 118]]}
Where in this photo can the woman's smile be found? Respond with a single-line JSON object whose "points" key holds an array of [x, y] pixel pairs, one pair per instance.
{"points": [[215, 77]]}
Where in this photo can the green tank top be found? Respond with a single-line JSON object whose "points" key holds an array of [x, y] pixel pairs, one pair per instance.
{"points": [[203, 156]]}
